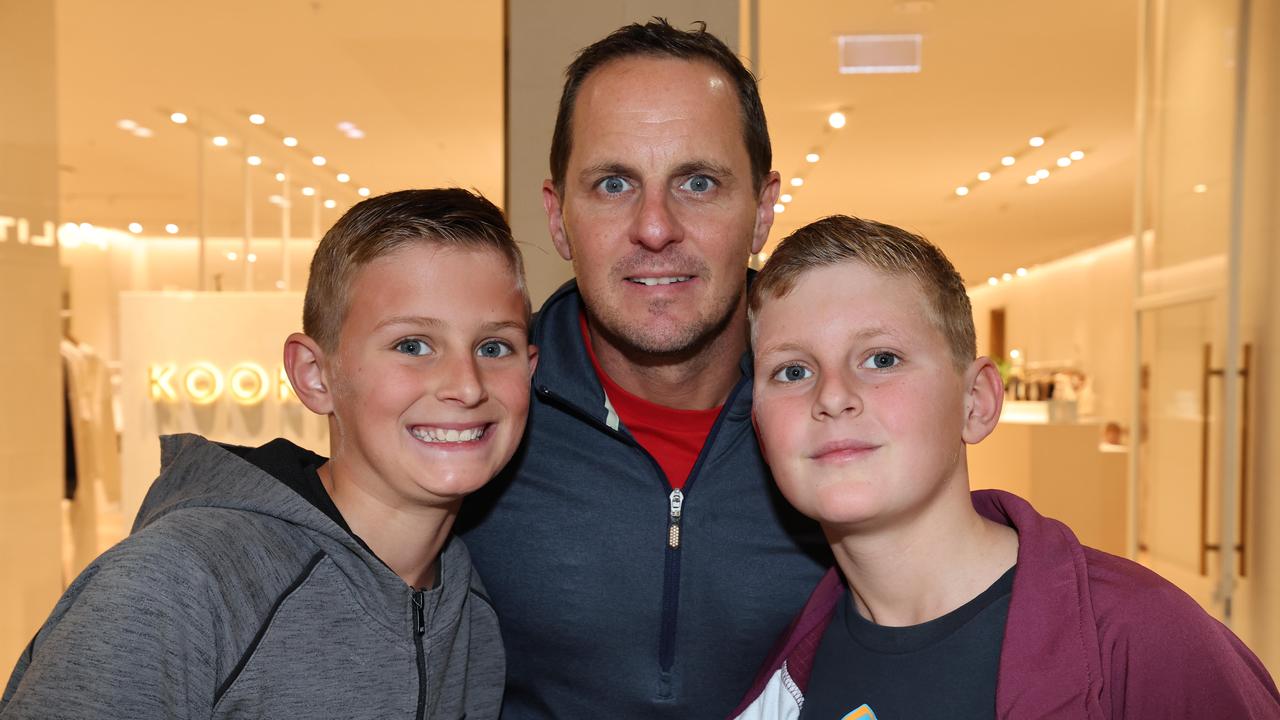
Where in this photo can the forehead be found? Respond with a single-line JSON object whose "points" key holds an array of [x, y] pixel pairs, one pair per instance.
{"points": [[836, 302], [658, 97], [428, 275]]}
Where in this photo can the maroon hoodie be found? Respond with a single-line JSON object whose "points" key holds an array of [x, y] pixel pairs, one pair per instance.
{"points": [[1089, 635]]}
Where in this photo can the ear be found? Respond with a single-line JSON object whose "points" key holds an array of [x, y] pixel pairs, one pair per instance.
{"points": [[533, 360], [764, 210], [759, 437], [304, 362], [983, 399], [555, 219]]}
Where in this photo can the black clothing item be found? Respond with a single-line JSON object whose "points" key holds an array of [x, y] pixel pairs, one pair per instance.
{"points": [[942, 668]]}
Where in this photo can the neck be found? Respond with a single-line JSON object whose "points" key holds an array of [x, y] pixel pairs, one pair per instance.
{"points": [[926, 566], [408, 540], [698, 378]]}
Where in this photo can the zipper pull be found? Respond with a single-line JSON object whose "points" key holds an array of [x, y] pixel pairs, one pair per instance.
{"points": [[419, 617], [673, 525]]}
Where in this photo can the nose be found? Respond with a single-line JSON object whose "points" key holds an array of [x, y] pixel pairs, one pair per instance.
{"points": [[837, 394], [655, 225], [462, 382]]}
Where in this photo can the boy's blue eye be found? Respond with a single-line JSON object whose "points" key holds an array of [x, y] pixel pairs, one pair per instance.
{"points": [[881, 361], [698, 184], [413, 346], [494, 349], [614, 185], [793, 373]]}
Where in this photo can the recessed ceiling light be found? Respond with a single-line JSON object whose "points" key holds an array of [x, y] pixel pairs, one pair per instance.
{"points": [[143, 132], [962, 191], [836, 120], [279, 284], [290, 141], [253, 160], [126, 124], [86, 227], [171, 229], [812, 157], [1015, 353], [1036, 141], [280, 177], [363, 192], [276, 200], [1022, 272], [984, 176], [785, 197], [308, 191], [331, 204], [220, 141], [343, 177], [257, 119], [355, 134], [1007, 160], [779, 207], [1076, 155], [797, 182], [318, 161], [135, 228], [232, 256], [1200, 189], [346, 126], [1042, 174], [1032, 179], [251, 257], [179, 118], [1006, 277], [992, 281], [1064, 161]]}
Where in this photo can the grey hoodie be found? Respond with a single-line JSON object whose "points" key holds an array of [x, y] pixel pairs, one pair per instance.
{"points": [[236, 597]]}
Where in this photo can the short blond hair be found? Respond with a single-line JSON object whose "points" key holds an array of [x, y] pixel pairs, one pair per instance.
{"points": [[448, 217], [888, 249]]}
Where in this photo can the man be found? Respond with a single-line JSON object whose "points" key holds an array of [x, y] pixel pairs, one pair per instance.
{"points": [[638, 554]]}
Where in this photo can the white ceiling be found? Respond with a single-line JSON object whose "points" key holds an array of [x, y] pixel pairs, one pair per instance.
{"points": [[994, 73], [423, 79]]}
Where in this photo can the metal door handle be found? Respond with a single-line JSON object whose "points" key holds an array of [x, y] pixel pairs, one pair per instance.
{"points": [[1209, 373]]}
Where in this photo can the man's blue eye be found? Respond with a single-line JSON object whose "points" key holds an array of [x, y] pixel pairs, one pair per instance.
{"points": [[881, 361], [793, 373], [413, 346], [615, 185], [698, 184], [494, 349]]}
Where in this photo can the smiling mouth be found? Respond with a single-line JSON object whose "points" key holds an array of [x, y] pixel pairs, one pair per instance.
{"points": [[428, 434], [847, 450], [655, 281]]}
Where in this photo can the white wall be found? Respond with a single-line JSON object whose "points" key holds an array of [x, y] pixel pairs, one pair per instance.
{"points": [[222, 330], [1074, 312]]}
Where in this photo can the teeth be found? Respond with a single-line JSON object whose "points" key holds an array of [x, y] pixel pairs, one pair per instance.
{"points": [[451, 435], [650, 282]]}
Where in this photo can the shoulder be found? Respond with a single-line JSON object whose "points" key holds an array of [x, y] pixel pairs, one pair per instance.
{"points": [[1160, 649]]}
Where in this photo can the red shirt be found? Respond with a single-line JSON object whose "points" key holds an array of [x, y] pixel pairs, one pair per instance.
{"points": [[673, 437]]}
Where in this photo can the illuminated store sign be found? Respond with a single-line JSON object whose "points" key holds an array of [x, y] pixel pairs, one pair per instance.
{"points": [[23, 235], [203, 383]]}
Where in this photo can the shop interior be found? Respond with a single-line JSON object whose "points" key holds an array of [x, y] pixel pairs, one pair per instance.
{"points": [[1105, 175]]}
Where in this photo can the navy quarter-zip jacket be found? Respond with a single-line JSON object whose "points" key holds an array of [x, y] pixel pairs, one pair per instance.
{"points": [[616, 599]]}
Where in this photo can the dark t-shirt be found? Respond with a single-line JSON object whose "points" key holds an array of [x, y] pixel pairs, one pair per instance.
{"points": [[943, 668]]}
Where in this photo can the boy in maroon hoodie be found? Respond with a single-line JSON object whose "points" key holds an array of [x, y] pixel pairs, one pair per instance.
{"points": [[943, 602]]}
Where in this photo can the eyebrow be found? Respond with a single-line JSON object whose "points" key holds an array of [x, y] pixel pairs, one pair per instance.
{"points": [[604, 169], [703, 167], [430, 322], [693, 167], [860, 336]]}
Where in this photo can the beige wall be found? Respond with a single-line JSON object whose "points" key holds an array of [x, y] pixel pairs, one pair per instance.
{"points": [[1262, 323], [30, 376], [542, 39]]}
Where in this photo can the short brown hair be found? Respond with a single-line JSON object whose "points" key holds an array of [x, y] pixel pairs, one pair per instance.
{"points": [[449, 217], [888, 249], [657, 38]]}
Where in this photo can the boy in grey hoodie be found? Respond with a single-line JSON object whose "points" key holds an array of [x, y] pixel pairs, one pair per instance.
{"points": [[271, 582]]}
